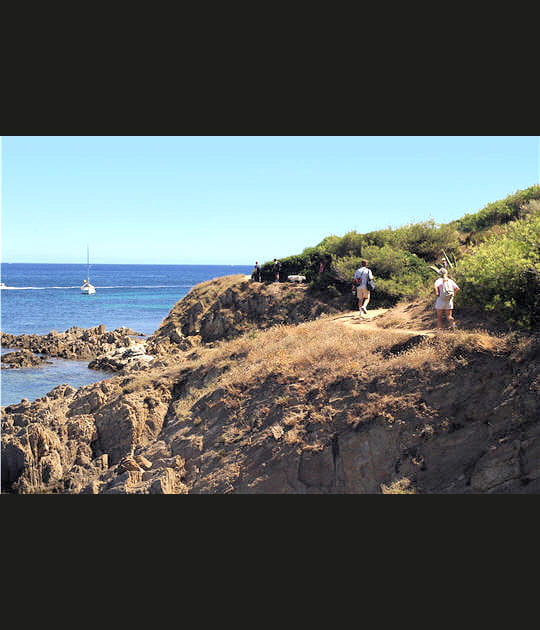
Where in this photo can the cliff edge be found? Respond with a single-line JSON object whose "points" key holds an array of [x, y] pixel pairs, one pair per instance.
{"points": [[241, 399], [224, 308]]}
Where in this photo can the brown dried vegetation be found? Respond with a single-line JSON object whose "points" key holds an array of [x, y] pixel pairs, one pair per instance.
{"points": [[316, 407]]}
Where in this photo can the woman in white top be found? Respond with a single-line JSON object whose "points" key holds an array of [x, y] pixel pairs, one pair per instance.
{"points": [[445, 289]]}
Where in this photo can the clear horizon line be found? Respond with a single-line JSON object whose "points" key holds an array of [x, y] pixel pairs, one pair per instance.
{"points": [[5, 262]]}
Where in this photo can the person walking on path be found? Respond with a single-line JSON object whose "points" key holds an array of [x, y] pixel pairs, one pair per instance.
{"points": [[277, 267], [361, 277], [257, 272], [445, 289]]}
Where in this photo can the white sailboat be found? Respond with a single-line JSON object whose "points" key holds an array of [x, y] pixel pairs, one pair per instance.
{"points": [[87, 288]]}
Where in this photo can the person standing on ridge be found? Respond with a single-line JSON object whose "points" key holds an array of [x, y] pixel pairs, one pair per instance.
{"points": [[445, 289], [256, 275], [277, 267], [361, 277]]}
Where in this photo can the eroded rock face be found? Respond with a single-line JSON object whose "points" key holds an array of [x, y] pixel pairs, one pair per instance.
{"points": [[174, 425], [21, 359], [227, 307], [122, 359], [74, 343], [65, 441], [472, 428]]}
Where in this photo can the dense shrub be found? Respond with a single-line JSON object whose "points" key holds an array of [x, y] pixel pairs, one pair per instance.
{"points": [[380, 237], [503, 274], [349, 244], [385, 262], [398, 274], [513, 207], [304, 264], [391, 262], [427, 239]]}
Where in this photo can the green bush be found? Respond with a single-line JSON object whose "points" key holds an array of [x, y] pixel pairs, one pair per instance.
{"points": [[385, 262], [499, 212], [398, 274], [427, 239], [304, 264], [380, 237], [349, 244], [503, 274], [390, 290]]}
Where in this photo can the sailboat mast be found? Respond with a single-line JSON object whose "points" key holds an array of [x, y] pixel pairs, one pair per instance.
{"points": [[87, 263]]}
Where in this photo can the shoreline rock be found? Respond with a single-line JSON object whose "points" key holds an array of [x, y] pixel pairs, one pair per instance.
{"points": [[21, 359], [201, 418], [75, 343], [121, 359]]}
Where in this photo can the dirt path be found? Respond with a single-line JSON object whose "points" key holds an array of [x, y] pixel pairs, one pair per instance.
{"points": [[354, 319]]}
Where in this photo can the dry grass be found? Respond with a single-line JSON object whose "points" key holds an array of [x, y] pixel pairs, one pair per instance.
{"points": [[216, 286], [442, 351], [394, 322], [401, 486], [318, 351], [303, 361], [304, 356]]}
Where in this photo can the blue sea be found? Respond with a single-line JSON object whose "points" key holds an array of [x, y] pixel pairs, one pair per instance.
{"points": [[44, 297]]}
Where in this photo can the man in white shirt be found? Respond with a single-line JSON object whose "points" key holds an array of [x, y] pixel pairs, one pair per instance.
{"points": [[361, 276]]}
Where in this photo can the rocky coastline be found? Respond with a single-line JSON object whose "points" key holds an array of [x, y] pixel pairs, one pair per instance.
{"points": [[74, 343], [105, 350], [21, 359], [254, 388]]}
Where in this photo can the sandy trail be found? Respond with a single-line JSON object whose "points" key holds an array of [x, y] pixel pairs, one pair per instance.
{"points": [[354, 319]]}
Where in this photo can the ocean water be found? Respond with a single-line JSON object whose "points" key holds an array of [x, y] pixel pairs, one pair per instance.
{"points": [[45, 297]]}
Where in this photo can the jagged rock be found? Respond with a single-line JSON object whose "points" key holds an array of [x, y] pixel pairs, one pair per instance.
{"points": [[122, 359], [143, 462], [21, 359], [74, 343], [224, 308], [463, 421], [277, 431], [128, 463]]}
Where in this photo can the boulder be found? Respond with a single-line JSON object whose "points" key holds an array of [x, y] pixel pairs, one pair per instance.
{"points": [[21, 359], [121, 359]]}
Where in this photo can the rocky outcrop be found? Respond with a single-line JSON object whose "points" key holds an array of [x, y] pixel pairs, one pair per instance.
{"points": [[70, 438], [74, 343], [122, 359], [227, 307], [465, 421], [21, 359]]}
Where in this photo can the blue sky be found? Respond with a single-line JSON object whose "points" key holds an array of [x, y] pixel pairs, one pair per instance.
{"points": [[237, 199]]}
